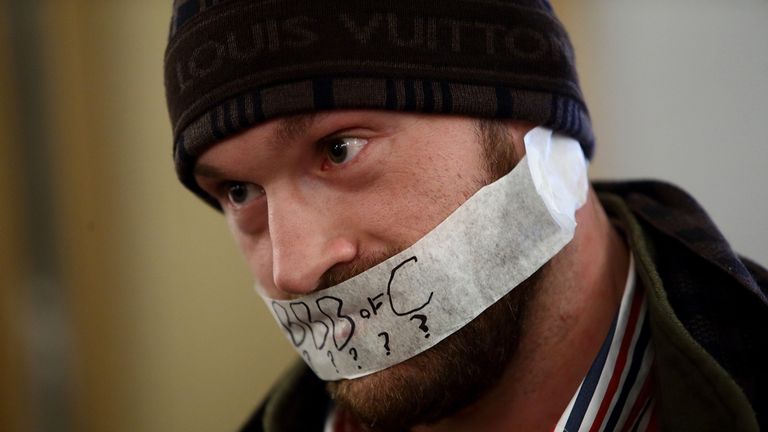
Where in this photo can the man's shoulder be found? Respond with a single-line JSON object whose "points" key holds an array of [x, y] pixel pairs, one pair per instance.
{"points": [[668, 213], [717, 296]]}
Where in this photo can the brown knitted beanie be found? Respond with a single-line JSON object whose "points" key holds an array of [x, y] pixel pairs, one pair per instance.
{"points": [[231, 64]]}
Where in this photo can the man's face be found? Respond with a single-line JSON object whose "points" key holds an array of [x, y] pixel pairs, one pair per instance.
{"points": [[309, 195], [314, 200]]}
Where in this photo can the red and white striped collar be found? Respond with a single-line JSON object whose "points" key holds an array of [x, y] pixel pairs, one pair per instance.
{"points": [[617, 392]]}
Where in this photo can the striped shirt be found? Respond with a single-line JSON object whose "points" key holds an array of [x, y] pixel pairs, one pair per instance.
{"points": [[617, 392]]}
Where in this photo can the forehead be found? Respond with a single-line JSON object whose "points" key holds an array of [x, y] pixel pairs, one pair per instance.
{"points": [[276, 135], [282, 131], [290, 128]]}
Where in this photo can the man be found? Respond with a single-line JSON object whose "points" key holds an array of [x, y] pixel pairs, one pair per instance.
{"points": [[351, 146]]}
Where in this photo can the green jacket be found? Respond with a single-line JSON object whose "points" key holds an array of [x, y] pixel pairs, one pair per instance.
{"points": [[709, 319]]}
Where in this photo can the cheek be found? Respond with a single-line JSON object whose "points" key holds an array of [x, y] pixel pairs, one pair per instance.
{"points": [[407, 210], [257, 251], [415, 197]]}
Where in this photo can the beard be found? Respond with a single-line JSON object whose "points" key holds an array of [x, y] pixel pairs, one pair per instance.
{"points": [[444, 379], [456, 372]]}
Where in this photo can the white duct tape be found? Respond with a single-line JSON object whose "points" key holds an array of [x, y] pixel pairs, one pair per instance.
{"points": [[490, 244]]}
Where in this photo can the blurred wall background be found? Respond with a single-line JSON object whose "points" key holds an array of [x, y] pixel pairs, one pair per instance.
{"points": [[678, 90], [132, 310], [125, 305]]}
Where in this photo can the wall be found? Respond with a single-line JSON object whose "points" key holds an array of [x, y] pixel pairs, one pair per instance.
{"points": [[14, 398], [188, 346], [157, 327], [678, 91]]}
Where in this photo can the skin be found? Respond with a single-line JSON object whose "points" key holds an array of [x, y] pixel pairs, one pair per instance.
{"points": [[305, 218]]}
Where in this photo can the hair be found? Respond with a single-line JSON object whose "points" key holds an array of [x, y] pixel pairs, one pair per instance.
{"points": [[499, 152]]}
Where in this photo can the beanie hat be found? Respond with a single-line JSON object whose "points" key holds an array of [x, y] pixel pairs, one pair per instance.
{"points": [[231, 64]]}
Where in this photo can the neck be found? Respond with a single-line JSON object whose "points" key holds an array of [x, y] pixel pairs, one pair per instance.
{"points": [[567, 320]]}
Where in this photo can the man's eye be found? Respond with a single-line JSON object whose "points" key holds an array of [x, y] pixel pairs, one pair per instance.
{"points": [[239, 194], [342, 150]]}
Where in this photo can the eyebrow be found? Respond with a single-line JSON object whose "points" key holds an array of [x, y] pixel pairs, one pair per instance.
{"points": [[290, 128], [209, 171]]}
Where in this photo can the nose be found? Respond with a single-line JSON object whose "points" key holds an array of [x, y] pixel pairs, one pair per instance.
{"points": [[307, 240]]}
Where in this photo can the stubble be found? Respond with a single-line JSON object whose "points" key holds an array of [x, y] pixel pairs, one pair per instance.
{"points": [[456, 372], [446, 378]]}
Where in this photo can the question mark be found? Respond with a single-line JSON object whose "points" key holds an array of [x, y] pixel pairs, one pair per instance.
{"points": [[306, 356], [386, 341], [423, 326], [333, 362], [353, 353]]}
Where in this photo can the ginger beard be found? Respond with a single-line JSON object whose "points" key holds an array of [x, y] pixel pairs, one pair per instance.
{"points": [[453, 374]]}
